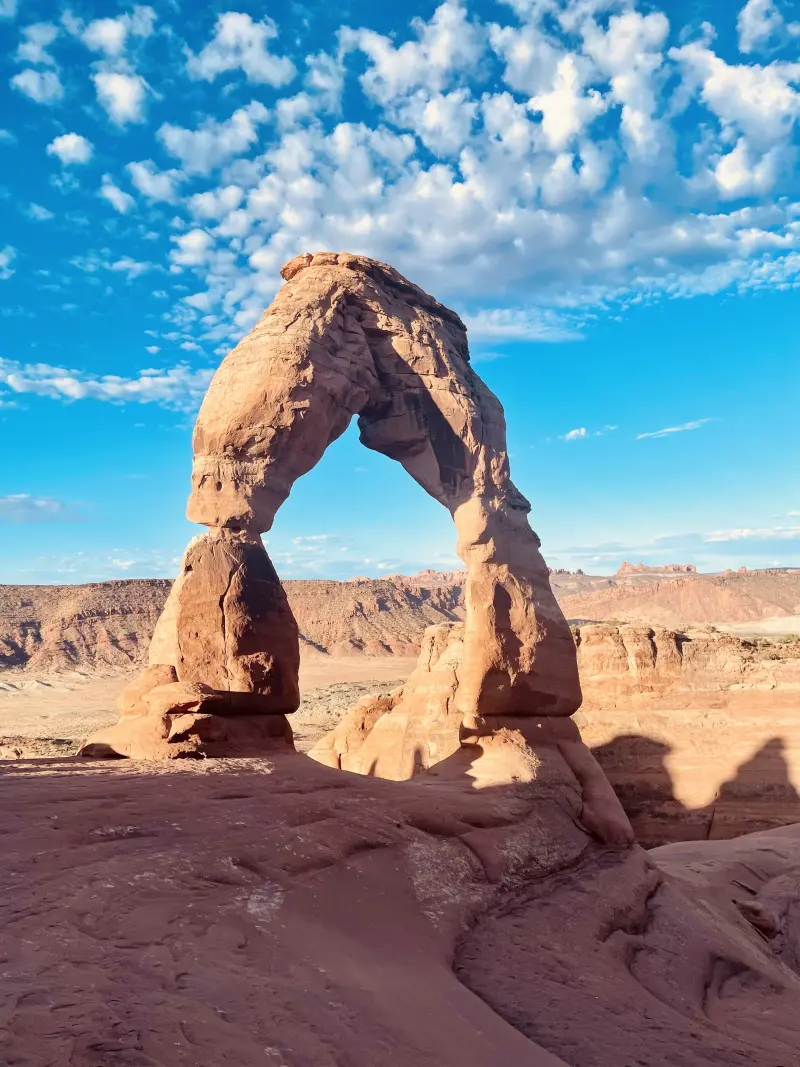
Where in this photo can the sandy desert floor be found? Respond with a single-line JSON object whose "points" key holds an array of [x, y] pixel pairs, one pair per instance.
{"points": [[51, 714]]}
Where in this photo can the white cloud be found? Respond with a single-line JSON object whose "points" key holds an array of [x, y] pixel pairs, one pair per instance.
{"points": [[192, 248], [778, 533], [201, 150], [121, 201], [177, 387], [131, 268], [531, 324], [23, 507], [155, 184], [447, 45], [36, 39], [71, 148], [39, 213], [7, 256], [566, 109], [121, 96], [7, 137], [8, 9], [762, 27], [110, 35], [694, 425], [752, 99], [629, 53], [42, 86], [581, 433], [216, 203], [93, 262], [535, 174], [239, 43]]}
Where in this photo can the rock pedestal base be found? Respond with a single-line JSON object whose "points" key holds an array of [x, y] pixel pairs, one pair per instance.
{"points": [[187, 735]]}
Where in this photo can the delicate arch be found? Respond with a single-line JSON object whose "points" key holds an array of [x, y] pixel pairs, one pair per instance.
{"points": [[347, 336]]}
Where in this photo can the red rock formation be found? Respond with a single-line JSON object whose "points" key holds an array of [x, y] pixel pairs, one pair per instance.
{"points": [[349, 336]]}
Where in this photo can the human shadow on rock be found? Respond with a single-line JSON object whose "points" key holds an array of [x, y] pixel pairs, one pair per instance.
{"points": [[760, 795]]}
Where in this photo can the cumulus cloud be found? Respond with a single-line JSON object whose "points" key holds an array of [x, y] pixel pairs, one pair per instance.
{"points": [[24, 507], [535, 172], [42, 86], [448, 44], [8, 9], [694, 425], [179, 387], [36, 40], [110, 36], [239, 43], [122, 96], [205, 148], [555, 191], [153, 183], [762, 27], [120, 200], [71, 148]]}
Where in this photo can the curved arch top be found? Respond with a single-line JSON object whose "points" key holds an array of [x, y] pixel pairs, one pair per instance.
{"points": [[346, 336]]}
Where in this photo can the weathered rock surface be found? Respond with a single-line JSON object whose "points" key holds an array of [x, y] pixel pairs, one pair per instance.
{"points": [[279, 911], [131, 701]]}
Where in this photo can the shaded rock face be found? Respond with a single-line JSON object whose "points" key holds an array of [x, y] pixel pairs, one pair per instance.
{"points": [[348, 336], [419, 731]]}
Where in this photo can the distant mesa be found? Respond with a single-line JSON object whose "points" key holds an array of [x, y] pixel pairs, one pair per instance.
{"points": [[667, 568]]}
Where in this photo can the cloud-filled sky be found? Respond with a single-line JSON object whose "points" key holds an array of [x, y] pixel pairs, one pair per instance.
{"points": [[606, 190]]}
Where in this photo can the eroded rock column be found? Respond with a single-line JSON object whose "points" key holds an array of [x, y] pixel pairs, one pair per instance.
{"points": [[224, 661]]}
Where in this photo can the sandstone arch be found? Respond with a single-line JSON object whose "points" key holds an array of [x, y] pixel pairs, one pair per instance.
{"points": [[347, 337]]}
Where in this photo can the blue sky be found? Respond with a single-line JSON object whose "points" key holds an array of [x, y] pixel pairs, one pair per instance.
{"points": [[607, 192]]}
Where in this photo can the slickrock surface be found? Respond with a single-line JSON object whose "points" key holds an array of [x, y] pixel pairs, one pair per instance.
{"points": [[279, 912]]}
